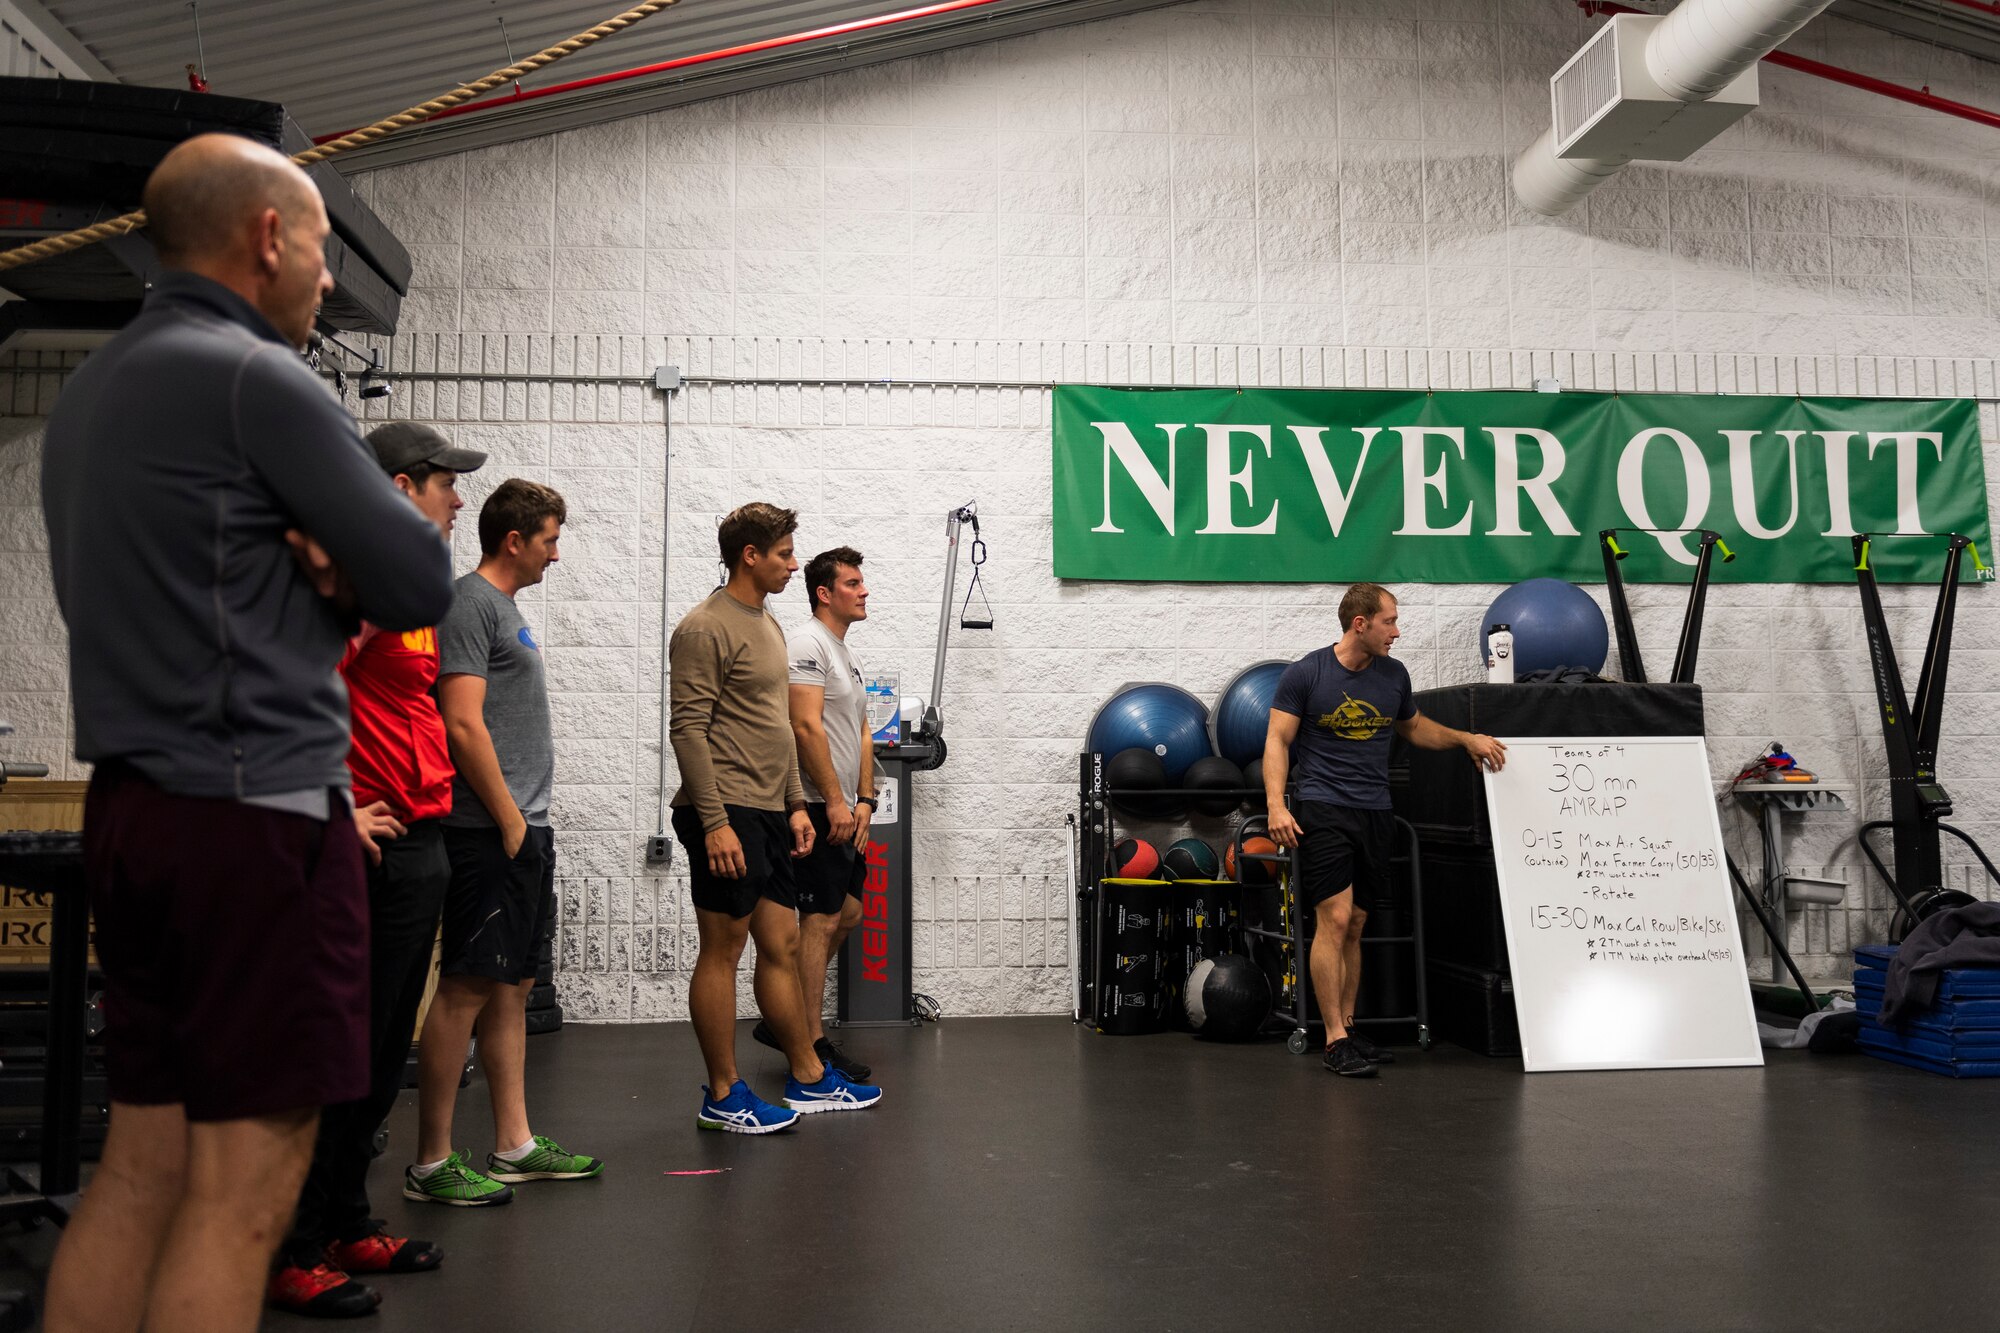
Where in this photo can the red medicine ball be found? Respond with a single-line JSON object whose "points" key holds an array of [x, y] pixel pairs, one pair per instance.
{"points": [[1135, 858]]}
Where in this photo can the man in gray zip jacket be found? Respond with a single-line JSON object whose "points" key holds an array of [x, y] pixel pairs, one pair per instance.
{"points": [[216, 526]]}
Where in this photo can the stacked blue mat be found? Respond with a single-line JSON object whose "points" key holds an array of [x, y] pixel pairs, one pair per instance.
{"points": [[1959, 1035]]}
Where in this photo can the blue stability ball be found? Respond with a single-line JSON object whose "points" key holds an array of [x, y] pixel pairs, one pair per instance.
{"points": [[1165, 719], [1555, 624], [1243, 712]]}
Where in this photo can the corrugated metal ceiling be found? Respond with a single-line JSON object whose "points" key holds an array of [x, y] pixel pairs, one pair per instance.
{"points": [[339, 66], [336, 67], [1952, 27]]}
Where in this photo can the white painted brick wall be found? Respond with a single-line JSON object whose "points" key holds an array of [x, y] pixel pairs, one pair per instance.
{"points": [[1216, 186]]}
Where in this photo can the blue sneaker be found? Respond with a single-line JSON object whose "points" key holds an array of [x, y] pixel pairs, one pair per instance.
{"points": [[743, 1112], [834, 1092]]}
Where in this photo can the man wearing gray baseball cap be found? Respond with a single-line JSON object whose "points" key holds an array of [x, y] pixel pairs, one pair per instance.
{"points": [[407, 448], [402, 790]]}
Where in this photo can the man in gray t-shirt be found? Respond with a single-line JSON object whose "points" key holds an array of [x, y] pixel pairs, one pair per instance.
{"points": [[499, 912], [829, 706], [486, 636]]}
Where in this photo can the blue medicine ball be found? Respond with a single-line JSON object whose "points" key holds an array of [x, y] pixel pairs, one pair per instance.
{"points": [[1243, 712], [1555, 624], [1165, 719]]}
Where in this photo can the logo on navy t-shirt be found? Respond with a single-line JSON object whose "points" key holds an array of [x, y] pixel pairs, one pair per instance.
{"points": [[1355, 719], [1341, 753]]}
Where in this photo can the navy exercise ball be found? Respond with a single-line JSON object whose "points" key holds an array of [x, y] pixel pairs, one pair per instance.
{"points": [[1165, 719], [1243, 712], [1555, 624]]}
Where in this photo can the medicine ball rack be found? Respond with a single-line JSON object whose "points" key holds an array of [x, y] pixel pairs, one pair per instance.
{"points": [[1098, 834], [1918, 802]]}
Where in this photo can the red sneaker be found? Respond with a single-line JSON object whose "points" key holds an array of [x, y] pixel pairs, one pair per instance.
{"points": [[384, 1254], [324, 1292]]}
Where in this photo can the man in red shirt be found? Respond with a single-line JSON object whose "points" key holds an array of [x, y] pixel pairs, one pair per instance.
{"points": [[402, 790]]}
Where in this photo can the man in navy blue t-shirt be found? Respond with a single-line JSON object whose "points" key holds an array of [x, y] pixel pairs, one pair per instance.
{"points": [[1330, 723]]}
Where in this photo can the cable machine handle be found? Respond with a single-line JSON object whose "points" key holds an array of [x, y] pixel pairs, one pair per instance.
{"points": [[966, 620]]}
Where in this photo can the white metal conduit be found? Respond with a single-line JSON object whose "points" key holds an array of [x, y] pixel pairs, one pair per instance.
{"points": [[1705, 44], [1699, 49]]}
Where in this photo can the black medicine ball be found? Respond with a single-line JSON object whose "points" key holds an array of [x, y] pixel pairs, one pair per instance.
{"points": [[1213, 773], [1253, 778], [1139, 770], [1228, 998]]}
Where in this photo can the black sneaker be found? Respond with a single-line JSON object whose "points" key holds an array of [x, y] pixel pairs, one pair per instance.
{"points": [[1370, 1052], [1345, 1059], [853, 1070], [765, 1037]]}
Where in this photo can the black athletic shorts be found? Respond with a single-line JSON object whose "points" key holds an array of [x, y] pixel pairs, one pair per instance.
{"points": [[766, 836], [831, 874], [499, 909], [234, 941], [1341, 847]]}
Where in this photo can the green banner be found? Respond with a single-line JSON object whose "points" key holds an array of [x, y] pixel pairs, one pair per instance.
{"points": [[1331, 486]]}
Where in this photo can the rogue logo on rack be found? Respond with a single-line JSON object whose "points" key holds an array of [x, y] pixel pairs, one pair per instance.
{"points": [[1294, 485]]}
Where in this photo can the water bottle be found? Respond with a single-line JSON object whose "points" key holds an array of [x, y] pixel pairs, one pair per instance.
{"points": [[1499, 655]]}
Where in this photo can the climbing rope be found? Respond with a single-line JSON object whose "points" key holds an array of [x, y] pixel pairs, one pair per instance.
{"points": [[50, 246]]}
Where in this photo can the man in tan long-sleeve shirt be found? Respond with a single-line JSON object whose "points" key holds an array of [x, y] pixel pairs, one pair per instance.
{"points": [[741, 815]]}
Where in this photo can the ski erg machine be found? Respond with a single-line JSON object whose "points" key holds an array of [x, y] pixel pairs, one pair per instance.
{"points": [[876, 987], [1918, 803]]}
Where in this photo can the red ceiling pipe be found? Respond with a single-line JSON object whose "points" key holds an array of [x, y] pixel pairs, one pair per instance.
{"points": [[768, 44], [1866, 82], [1983, 6]]}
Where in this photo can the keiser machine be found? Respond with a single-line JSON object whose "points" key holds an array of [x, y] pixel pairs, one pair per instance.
{"points": [[1918, 803], [875, 962]]}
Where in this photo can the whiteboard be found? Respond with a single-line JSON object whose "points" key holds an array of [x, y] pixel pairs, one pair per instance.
{"points": [[1616, 903]]}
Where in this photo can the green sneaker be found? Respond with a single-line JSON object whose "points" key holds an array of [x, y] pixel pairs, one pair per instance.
{"points": [[457, 1184], [545, 1161]]}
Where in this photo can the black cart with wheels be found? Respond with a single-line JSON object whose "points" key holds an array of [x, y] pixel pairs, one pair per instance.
{"points": [[1290, 934]]}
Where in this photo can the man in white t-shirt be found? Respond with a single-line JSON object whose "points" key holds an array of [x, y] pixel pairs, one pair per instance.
{"points": [[829, 705]]}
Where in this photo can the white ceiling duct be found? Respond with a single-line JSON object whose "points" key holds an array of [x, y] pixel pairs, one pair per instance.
{"points": [[1651, 88]]}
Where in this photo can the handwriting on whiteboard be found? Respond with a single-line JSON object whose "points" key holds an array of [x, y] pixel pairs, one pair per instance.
{"points": [[1595, 786], [1621, 934]]}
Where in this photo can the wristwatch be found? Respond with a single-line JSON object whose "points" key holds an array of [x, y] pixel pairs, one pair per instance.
{"points": [[868, 801]]}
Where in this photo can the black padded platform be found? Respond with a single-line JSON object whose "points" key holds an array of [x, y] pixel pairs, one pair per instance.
{"points": [[1443, 797], [1442, 794]]}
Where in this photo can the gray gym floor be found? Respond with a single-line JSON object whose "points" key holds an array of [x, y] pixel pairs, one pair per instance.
{"points": [[1022, 1173]]}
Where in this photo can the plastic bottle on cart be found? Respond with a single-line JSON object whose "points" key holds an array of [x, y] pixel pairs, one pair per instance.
{"points": [[1499, 655]]}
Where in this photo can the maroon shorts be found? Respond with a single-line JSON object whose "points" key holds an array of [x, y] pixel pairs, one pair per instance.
{"points": [[234, 942]]}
